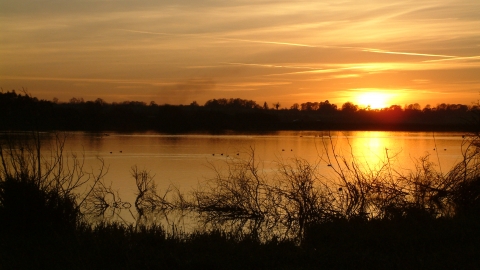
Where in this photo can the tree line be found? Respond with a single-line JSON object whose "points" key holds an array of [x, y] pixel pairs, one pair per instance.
{"points": [[21, 111]]}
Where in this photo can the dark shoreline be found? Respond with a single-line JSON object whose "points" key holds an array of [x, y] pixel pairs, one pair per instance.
{"points": [[26, 113], [266, 128]]}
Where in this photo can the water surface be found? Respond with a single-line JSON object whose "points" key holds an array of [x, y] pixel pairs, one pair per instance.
{"points": [[186, 160]]}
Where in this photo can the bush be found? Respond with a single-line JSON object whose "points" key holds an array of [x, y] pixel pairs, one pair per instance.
{"points": [[25, 207]]}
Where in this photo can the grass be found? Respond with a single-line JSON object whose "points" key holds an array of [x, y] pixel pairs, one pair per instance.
{"points": [[364, 219]]}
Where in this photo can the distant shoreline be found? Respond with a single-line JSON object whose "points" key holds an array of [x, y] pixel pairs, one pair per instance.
{"points": [[25, 113]]}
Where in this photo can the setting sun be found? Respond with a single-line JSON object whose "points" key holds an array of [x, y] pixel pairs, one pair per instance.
{"points": [[374, 100]]}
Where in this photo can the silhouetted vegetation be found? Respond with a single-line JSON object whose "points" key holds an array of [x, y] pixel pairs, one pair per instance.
{"points": [[55, 214], [24, 112]]}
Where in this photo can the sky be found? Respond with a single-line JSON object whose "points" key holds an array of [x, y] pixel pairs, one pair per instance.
{"points": [[369, 52]]}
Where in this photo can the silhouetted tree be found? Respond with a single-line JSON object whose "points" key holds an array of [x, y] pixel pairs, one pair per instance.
{"points": [[233, 103], [265, 106], [194, 104], [396, 108], [349, 107], [413, 107], [427, 108], [309, 106], [442, 107], [100, 101], [75, 100], [326, 106], [24, 112]]}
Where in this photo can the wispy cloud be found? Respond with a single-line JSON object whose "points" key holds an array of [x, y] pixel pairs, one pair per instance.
{"points": [[87, 80], [335, 77]]}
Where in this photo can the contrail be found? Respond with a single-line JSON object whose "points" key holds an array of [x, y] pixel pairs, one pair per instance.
{"points": [[408, 53], [270, 66], [372, 50], [267, 42], [331, 70], [222, 38], [153, 33], [454, 58]]}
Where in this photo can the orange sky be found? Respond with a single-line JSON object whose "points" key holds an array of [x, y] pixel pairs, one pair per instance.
{"points": [[378, 52]]}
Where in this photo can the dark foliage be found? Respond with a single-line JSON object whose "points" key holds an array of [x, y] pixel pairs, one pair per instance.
{"points": [[467, 199], [27, 208], [24, 112]]}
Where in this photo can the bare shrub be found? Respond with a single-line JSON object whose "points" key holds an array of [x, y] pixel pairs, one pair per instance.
{"points": [[305, 197], [148, 202], [21, 159], [384, 192], [104, 203], [35, 186], [243, 199], [238, 197], [41, 168]]}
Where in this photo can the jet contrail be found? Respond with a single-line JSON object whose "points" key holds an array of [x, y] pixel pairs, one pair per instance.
{"points": [[408, 53], [372, 50], [267, 42], [330, 70], [222, 38], [454, 58], [270, 66]]}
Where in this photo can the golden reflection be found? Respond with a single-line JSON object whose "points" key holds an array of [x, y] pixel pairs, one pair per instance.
{"points": [[372, 148]]}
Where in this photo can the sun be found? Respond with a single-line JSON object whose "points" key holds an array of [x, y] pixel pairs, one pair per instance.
{"points": [[374, 99]]}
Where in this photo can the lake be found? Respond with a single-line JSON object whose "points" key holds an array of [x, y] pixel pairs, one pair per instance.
{"points": [[186, 160]]}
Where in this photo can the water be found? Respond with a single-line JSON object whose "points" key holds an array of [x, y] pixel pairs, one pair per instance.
{"points": [[185, 161]]}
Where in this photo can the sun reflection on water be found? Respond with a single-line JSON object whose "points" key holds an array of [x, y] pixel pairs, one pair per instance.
{"points": [[371, 150]]}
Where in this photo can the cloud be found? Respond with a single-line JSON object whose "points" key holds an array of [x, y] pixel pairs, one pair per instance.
{"points": [[183, 92], [85, 80], [249, 85], [189, 86]]}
